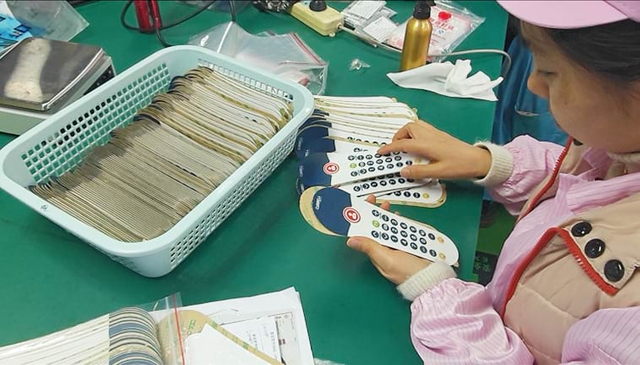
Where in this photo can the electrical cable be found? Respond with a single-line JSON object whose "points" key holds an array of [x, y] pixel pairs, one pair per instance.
{"points": [[131, 27], [375, 43], [159, 34], [232, 8]]}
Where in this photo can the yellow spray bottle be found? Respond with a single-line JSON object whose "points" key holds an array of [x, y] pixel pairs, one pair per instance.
{"points": [[417, 37]]}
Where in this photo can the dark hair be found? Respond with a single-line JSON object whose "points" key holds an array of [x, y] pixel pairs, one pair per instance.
{"points": [[611, 51]]}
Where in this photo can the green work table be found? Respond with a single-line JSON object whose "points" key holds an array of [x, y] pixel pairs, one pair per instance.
{"points": [[51, 280]]}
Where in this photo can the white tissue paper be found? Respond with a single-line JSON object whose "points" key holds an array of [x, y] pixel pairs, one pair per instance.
{"points": [[449, 80]]}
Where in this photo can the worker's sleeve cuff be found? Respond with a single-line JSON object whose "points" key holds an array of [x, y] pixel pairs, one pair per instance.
{"points": [[501, 165], [425, 279]]}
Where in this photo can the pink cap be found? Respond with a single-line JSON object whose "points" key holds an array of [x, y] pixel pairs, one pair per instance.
{"points": [[569, 14]]}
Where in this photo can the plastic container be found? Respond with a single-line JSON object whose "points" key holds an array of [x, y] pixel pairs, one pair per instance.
{"points": [[59, 143]]}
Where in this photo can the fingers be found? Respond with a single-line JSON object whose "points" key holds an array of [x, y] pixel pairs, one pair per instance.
{"points": [[418, 172], [402, 133], [376, 252], [384, 205], [414, 146]]}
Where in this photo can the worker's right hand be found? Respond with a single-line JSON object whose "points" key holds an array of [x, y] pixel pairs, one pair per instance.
{"points": [[450, 158]]}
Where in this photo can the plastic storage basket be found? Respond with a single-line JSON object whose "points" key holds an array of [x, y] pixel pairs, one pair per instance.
{"points": [[59, 143]]}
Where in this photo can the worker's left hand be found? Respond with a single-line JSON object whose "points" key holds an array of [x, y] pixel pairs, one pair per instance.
{"points": [[396, 266]]}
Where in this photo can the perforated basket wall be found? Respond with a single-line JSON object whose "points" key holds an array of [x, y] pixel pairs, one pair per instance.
{"points": [[61, 142]]}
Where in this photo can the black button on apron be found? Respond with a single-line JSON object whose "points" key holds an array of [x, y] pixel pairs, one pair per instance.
{"points": [[614, 270], [581, 229], [594, 248]]}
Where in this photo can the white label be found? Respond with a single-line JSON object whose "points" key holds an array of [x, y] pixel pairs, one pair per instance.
{"points": [[380, 29], [365, 9]]}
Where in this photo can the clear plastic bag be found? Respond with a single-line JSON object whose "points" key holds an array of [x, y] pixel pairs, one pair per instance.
{"points": [[358, 13], [55, 20], [282, 54], [129, 334], [452, 24]]}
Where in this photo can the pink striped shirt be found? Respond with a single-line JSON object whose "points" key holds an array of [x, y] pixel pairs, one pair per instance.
{"points": [[457, 322]]}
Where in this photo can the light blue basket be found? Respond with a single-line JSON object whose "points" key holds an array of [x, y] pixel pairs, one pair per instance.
{"points": [[59, 143]]}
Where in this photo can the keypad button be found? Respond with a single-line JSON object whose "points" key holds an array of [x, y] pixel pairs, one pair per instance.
{"points": [[376, 223], [390, 166], [416, 195], [397, 158], [413, 229], [423, 249], [404, 242], [410, 180], [385, 236], [380, 168], [407, 194], [369, 157], [385, 226], [374, 184], [354, 173], [413, 237], [372, 169], [423, 241], [383, 183], [362, 164], [413, 245], [365, 186], [391, 176], [353, 165], [375, 213], [392, 182], [399, 164], [396, 153], [388, 159], [401, 180], [375, 234], [379, 161], [385, 218], [432, 236], [394, 239], [409, 163], [356, 189], [394, 222], [369, 163], [422, 232], [394, 230], [351, 158], [378, 155], [397, 193], [403, 225], [433, 253], [363, 171], [404, 234], [360, 158]]}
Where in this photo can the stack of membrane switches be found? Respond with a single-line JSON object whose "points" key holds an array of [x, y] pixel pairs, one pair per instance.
{"points": [[177, 150], [337, 146], [339, 166]]}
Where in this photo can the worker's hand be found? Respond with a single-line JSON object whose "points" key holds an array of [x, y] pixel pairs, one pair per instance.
{"points": [[450, 158], [396, 266]]}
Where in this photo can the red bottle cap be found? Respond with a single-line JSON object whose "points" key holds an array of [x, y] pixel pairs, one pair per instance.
{"points": [[443, 15]]}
